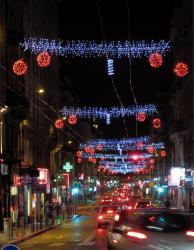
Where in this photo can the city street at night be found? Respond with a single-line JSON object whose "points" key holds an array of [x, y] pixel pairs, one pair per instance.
{"points": [[96, 125]]}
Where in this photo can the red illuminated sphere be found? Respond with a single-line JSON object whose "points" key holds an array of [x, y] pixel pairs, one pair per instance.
{"points": [[87, 149], [139, 144], [72, 119], [79, 160], [156, 123], [150, 149], [59, 123], [90, 158], [152, 161], [43, 59], [163, 153], [155, 60], [92, 151], [94, 160], [141, 116], [181, 69], [99, 147], [79, 153], [20, 67]]}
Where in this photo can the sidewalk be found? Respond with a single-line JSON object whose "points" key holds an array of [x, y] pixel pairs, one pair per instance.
{"points": [[23, 233]]}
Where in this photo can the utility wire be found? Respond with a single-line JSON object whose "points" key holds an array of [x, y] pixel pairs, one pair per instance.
{"points": [[130, 66], [112, 79]]}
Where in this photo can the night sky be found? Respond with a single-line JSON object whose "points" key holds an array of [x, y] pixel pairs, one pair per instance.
{"points": [[149, 20]]}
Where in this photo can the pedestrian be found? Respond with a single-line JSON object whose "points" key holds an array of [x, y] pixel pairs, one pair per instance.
{"points": [[167, 203]]}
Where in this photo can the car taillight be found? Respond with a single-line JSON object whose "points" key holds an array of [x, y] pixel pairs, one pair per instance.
{"points": [[137, 235], [110, 200], [109, 211], [116, 217], [100, 217], [102, 200], [190, 233], [129, 207]]}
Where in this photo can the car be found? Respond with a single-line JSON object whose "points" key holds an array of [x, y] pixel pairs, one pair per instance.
{"points": [[152, 229], [106, 215], [106, 199], [144, 203]]}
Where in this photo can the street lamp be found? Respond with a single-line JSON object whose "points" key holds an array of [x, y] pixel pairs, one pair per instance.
{"points": [[41, 90]]}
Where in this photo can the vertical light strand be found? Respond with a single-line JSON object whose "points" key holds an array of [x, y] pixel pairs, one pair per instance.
{"points": [[110, 67]]}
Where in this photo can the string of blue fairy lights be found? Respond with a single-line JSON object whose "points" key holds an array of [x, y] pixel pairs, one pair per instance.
{"points": [[112, 49]]}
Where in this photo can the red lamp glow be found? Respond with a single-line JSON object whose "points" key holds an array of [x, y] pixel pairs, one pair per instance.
{"points": [[79, 160], [43, 59], [150, 149], [163, 153], [79, 154], [20, 67], [181, 69], [99, 147], [156, 123], [59, 123], [141, 116], [152, 161], [87, 149], [155, 60], [72, 119]]}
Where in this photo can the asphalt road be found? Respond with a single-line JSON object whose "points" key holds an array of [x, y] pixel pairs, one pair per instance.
{"points": [[79, 234]]}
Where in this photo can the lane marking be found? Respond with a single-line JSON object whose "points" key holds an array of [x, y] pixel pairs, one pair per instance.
{"points": [[168, 241], [56, 244], [59, 237], [155, 247], [168, 248], [87, 241]]}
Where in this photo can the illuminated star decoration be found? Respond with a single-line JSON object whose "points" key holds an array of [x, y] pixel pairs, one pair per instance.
{"points": [[113, 49], [107, 113]]}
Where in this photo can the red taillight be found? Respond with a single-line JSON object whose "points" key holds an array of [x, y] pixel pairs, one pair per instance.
{"points": [[116, 218], [110, 200], [100, 217], [137, 235], [109, 211], [129, 207], [190, 233], [102, 200]]}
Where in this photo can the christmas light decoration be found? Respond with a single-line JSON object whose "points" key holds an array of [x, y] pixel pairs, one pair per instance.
{"points": [[20, 67], [181, 69], [72, 119], [150, 149], [99, 147], [110, 67], [163, 153], [107, 113], [135, 49], [87, 149], [117, 156], [43, 59], [79, 160], [79, 154], [155, 60], [152, 161], [141, 117], [156, 123], [59, 123]]}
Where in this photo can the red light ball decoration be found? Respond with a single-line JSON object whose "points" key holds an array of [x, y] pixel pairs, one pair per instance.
{"points": [[181, 69], [20, 67], [99, 147], [155, 60], [79, 160], [163, 153], [87, 149], [59, 123], [92, 151], [43, 59], [90, 158], [72, 119], [152, 161], [141, 116], [94, 160], [156, 123], [150, 149], [79, 154]]}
